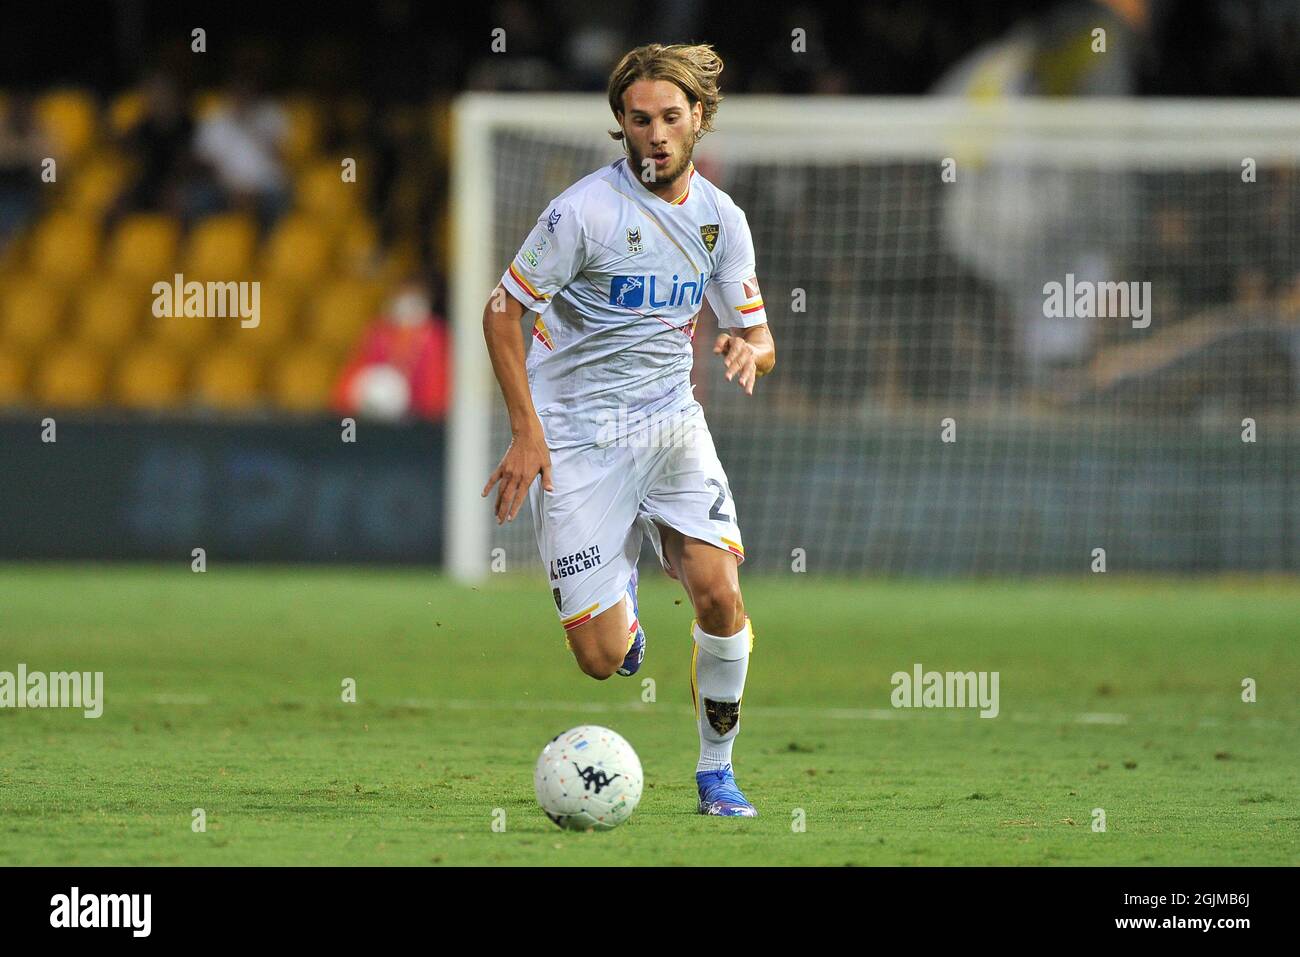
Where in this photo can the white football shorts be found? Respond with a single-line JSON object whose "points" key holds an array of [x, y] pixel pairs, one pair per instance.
{"points": [[590, 528]]}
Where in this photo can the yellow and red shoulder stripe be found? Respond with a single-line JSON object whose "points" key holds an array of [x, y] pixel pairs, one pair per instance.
{"points": [[528, 287]]}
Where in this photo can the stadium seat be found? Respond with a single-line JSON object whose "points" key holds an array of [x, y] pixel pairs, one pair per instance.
{"points": [[303, 137], [303, 380], [71, 377], [399, 261], [340, 311], [221, 248], [204, 103], [126, 110], [151, 376], [186, 335], [13, 378], [108, 314], [31, 312], [440, 124], [144, 247], [227, 379], [322, 194], [297, 251], [358, 247], [278, 306], [69, 117], [65, 247], [94, 187]]}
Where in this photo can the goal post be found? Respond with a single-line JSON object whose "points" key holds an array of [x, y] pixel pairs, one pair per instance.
{"points": [[905, 246]]}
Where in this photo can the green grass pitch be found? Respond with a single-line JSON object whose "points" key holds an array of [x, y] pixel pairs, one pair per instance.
{"points": [[223, 692]]}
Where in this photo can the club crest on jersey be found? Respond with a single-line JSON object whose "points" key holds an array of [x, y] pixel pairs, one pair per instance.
{"points": [[634, 240], [710, 236], [630, 292], [552, 220]]}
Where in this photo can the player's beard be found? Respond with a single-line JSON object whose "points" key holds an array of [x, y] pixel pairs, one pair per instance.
{"points": [[639, 163]]}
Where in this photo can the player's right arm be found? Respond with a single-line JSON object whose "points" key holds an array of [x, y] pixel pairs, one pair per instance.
{"points": [[528, 453], [552, 255]]}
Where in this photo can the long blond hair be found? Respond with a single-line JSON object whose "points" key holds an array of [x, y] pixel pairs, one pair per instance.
{"points": [[694, 68]]}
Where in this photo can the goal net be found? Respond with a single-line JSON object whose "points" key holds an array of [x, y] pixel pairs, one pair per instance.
{"points": [[1013, 339]]}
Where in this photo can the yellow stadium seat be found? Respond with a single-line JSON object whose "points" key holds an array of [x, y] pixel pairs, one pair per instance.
{"points": [[303, 136], [93, 187], [206, 102], [399, 261], [221, 248], [440, 129], [72, 377], [144, 247], [358, 248], [303, 380], [69, 117], [12, 259], [227, 379], [31, 312], [108, 314], [126, 110], [340, 312], [65, 247], [186, 334], [321, 193], [298, 251], [13, 378], [150, 377], [278, 308]]}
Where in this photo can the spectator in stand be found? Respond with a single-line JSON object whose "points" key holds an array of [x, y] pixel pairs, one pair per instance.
{"points": [[23, 147], [160, 142], [240, 143], [401, 368]]}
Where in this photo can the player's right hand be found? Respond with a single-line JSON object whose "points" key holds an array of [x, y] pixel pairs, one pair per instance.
{"points": [[526, 456]]}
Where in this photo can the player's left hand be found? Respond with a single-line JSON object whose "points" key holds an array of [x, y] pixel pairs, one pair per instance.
{"points": [[739, 356]]}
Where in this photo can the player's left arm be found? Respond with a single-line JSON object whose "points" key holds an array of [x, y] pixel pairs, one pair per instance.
{"points": [[745, 342], [748, 354]]}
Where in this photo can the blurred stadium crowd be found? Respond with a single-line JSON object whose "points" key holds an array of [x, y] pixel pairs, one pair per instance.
{"points": [[217, 186], [228, 166]]}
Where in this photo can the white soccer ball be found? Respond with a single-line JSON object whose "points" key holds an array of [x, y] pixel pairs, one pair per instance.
{"points": [[588, 778]]}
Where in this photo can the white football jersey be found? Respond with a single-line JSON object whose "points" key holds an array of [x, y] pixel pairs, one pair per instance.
{"points": [[617, 276]]}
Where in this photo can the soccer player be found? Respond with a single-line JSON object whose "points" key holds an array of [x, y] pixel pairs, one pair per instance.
{"points": [[608, 441]]}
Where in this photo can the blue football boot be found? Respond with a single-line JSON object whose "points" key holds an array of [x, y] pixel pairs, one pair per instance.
{"points": [[636, 634], [719, 795]]}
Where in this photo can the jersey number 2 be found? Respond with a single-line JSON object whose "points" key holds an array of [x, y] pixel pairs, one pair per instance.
{"points": [[716, 512]]}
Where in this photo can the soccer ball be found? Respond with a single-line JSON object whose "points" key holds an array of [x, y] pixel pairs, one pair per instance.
{"points": [[588, 778]]}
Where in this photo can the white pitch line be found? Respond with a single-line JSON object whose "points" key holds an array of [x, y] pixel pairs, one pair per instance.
{"points": [[1094, 718]]}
